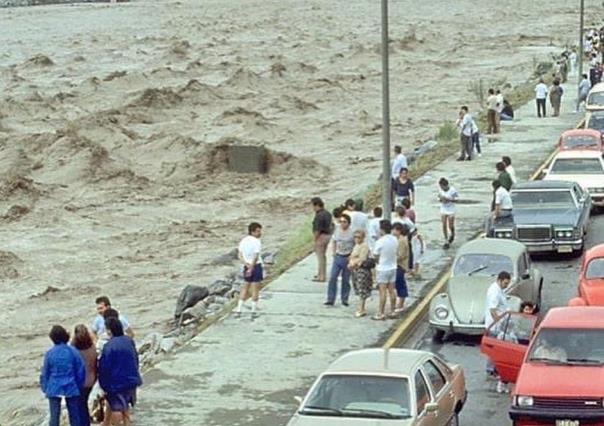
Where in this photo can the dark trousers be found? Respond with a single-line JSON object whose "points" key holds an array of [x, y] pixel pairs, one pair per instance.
{"points": [[476, 142], [493, 125], [466, 147], [541, 107], [84, 406], [73, 409], [339, 266]]}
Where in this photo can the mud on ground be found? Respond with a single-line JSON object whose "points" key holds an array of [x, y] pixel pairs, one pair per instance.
{"points": [[114, 119]]}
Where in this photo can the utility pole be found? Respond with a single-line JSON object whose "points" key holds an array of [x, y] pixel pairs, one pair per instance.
{"points": [[386, 184], [581, 52]]}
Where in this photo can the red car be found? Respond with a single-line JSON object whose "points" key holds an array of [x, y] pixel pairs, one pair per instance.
{"points": [[580, 139], [558, 366], [591, 279]]}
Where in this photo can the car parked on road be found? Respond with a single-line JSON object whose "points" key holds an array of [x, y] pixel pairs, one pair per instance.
{"points": [[591, 278], [559, 375], [548, 215], [580, 139], [595, 120], [585, 167], [385, 387], [477, 263], [595, 98]]}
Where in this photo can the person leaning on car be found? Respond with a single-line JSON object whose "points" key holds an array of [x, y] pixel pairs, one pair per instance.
{"points": [[496, 303]]}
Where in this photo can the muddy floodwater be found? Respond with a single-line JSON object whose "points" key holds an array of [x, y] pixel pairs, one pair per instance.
{"points": [[114, 120]]}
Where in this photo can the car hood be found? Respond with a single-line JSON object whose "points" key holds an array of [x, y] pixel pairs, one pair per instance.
{"points": [[467, 295], [299, 420], [594, 292], [585, 181], [563, 216], [560, 381]]}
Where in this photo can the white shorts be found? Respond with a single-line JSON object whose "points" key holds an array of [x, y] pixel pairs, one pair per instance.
{"points": [[385, 277]]}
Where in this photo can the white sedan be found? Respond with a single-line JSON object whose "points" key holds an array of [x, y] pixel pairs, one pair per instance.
{"points": [[385, 387], [584, 167]]}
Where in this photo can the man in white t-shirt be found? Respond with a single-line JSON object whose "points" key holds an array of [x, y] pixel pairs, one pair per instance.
{"points": [[250, 249], [400, 161], [448, 196], [496, 306], [502, 208], [386, 250], [540, 96], [373, 228]]}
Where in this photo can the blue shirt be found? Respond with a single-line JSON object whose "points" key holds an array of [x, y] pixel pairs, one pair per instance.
{"points": [[98, 325], [118, 365], [63, 372]]}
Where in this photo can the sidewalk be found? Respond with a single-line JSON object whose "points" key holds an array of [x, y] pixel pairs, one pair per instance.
{"points": [[241, 371]]}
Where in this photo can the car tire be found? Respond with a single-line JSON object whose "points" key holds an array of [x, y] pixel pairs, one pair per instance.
{"points": [[454, 420], [438, 335]]}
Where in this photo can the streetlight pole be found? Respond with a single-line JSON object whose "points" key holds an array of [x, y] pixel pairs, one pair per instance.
{"points": [[386, 189], [581, 52]]}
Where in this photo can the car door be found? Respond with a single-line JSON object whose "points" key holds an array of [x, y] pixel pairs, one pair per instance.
{"points": [[442, 390], [524, 288], [423, 397], [506, 341], [584, 202]]}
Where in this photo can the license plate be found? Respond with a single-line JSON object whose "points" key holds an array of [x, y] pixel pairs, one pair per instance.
{"points": [[567, 423], [565, 249]]}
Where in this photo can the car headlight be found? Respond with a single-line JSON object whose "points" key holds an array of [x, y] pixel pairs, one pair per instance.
{"points": [[441, 312], [524, 401], [506, 233], [564, 233]]}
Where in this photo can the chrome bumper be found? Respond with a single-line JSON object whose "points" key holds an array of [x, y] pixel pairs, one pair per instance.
{"points": [[560, 246]]}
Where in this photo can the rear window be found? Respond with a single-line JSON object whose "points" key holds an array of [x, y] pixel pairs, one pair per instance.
{"points": [[542, 199], [596, 99], [576, 166], [596, 122], [595, 269], [580, 142]]}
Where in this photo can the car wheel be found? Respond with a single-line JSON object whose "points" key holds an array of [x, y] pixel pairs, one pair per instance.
{"points": [[454, 420], [438, 335]]}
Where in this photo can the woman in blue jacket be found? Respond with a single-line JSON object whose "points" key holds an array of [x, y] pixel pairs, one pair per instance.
{"points": [[118, 372], [63, 375]]}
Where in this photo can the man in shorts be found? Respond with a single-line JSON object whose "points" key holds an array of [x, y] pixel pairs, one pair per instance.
{"points": [[448, 196], [250, 249], [386, 250]]}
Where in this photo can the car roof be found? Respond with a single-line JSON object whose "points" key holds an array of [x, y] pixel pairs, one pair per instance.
{"points": [[581, 132], [499, 246], [599, 87], [544, 184], [575, 317], [379, 361], [579, 153], [596, 251]]}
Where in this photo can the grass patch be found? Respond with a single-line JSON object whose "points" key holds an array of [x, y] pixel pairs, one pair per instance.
{"points": [[298, 245]]}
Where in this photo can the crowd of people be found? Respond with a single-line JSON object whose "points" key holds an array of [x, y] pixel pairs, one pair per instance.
{"points": [[103, 355]]}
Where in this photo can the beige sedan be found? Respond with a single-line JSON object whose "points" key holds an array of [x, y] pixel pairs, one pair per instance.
{"points": [[385, 387]]}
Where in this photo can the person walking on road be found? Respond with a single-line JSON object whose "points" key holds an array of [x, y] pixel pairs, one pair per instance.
{"points": [[250, 250], [509, 169], [322, 228], [492, 107], [400, 161], [573, 60], [555, 97], [503, 176], [448, 196], [466, 124], [400, 231], [541, 96], [403, 187], [63, 376], [362, 279], [495, 307], [584, 88], [82, 341], [386, 250], [343, 244], [119, 373]]}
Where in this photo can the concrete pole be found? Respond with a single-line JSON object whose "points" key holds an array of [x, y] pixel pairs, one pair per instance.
{"points": [[386, 189], [581, 52]]}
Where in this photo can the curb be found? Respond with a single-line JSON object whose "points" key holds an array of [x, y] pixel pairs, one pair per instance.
{"points": [[410, 323]]}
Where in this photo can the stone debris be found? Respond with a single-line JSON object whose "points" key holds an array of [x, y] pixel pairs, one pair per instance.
{"points": [[189, 296]]}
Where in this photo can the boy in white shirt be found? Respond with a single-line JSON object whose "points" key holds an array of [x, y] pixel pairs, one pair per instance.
{"points": [[541, 92], [250, 249], [448, 196]]}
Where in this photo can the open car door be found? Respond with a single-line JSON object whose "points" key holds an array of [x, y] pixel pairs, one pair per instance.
{"points": [[506, 341]]}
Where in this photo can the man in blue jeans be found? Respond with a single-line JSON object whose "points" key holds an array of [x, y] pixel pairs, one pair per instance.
{"points": [[343, 243]]}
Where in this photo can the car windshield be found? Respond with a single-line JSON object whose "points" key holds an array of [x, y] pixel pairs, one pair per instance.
{"points": [[542, 199], [576, 166], [595, 269], [568, 346], [580, 142], [359, 396], [596, 122], [596, 99], [482, 264]]}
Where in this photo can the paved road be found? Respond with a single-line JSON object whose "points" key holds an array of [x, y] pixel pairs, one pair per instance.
{"points": [[560, 274]]}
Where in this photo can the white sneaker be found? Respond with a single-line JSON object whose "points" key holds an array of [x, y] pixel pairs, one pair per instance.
{"points": [[502, 387]]}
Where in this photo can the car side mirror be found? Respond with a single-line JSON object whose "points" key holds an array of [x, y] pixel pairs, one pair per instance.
{"points": [[431, 407], [298, 399], [545, 171], [525, 276]]}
